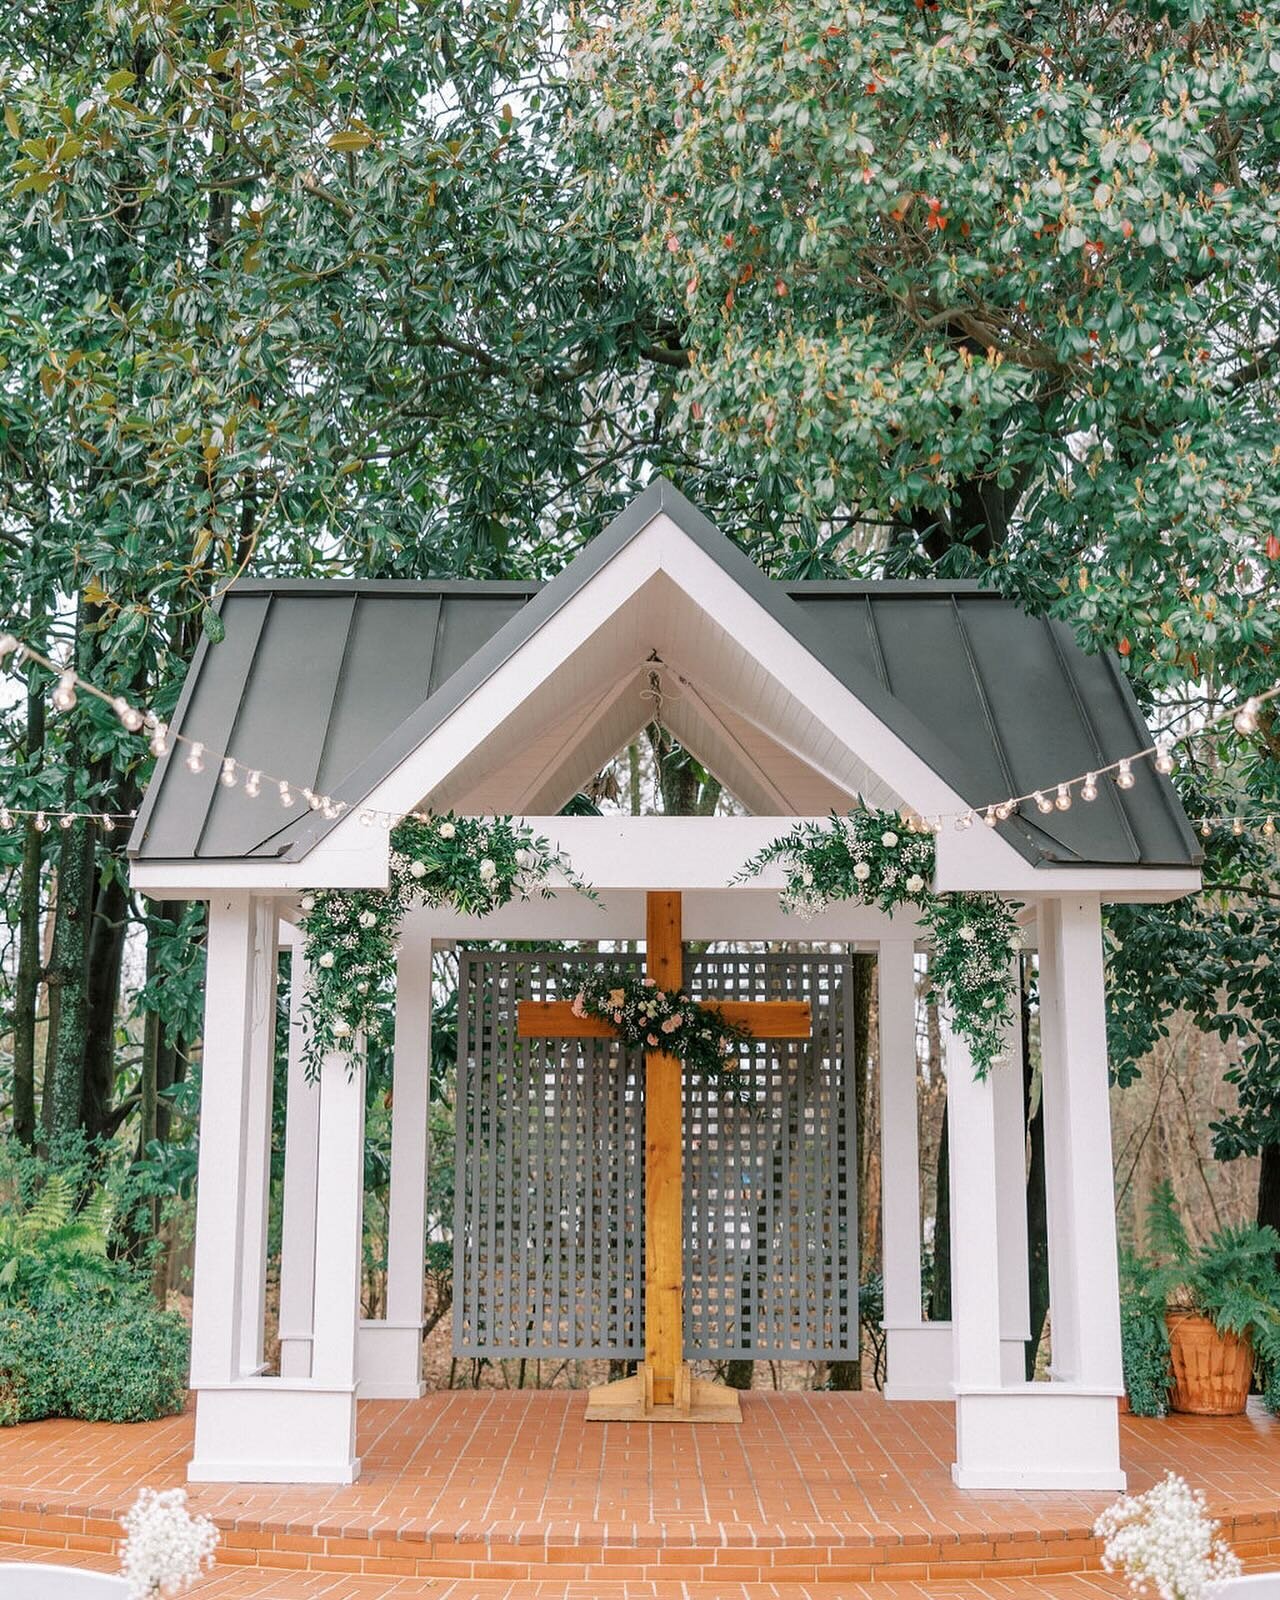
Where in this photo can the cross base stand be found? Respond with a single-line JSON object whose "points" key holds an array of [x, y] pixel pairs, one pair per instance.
{"points": [[631, 1400]]}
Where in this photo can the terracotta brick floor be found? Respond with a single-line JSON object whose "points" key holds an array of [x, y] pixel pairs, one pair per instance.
{"points": [[485, 1496]]}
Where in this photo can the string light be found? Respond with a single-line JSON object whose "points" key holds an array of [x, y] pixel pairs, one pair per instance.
{"points": [[1244, 716], [64, 694], [1246, 719]]}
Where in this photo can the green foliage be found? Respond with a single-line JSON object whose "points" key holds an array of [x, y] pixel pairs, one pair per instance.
{"points": [[1234, 1279], [648, 1018], [872, 856], [50, 1250], [96, 1358], [1144, 1346], [471, 863]]}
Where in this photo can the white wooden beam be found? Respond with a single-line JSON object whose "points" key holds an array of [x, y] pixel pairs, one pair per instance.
{"points": [[298, 1221], [258, 1109]]}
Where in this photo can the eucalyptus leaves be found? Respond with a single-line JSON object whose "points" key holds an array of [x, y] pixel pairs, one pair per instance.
{"points": [[871, 856], [649, 1018], [473, 864]]}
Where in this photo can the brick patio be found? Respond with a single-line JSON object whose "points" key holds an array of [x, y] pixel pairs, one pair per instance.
{"points": [[481, 1496]]}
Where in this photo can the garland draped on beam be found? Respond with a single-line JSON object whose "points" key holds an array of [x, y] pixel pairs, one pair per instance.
{"points": [[870, 856], [649, 1018], [351, 936]]}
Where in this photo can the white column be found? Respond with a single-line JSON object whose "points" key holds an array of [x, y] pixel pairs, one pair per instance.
{"points": [[298, 1221], [224, 1096], [1084, 1289], [1011, 1187], [1063, 1434], [258, 1107], [975, 1217], [391, 1349], [918, 1353], [339, 1227]]}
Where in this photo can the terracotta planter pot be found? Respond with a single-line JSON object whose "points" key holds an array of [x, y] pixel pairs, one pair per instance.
{"points": [[1211, 1370]]}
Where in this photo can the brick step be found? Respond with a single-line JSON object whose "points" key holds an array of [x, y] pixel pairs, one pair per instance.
{"points": [[720, 1557], [262, 1583]]}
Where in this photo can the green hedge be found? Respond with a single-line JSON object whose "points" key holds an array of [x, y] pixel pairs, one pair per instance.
{"points": [[96, 1359]]}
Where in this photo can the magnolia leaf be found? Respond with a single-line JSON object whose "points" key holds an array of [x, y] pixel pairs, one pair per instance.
{"points": [[11, 122], [350, 139]]}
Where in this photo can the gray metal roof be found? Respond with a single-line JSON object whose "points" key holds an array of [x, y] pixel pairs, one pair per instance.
{"points": [[332, 683]]}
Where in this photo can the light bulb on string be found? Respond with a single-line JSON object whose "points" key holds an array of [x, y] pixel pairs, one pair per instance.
{"points": [[1124, 777], [1206, 829], [65, 821], [108, 823], [1237, 826], [1043, 806], [1246, 719], [1063, 798], [964, 821], [227, 777], [1269, 828], [990, 817], [160, 739], [1164, 761], [1006, 809], [253, 785], [1089, 790], [42, 822], [130, 716], [286, 795], [6, 817], [64, 694], [195, 757]]}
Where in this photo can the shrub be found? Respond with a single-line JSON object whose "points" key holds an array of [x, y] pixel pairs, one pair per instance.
{"points": [[1144, 1343], [99, 1359]]}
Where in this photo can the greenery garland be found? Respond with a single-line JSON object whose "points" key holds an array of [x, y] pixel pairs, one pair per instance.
{"points": [[870, 856], [351, 936], [649, 1018]]}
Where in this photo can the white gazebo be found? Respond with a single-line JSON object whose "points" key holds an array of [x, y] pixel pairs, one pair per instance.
{"points": [[503, 698]]}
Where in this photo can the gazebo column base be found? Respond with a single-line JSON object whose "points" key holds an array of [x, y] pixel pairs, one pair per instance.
{"points": [[630, 1400], [919, 1364], [271, 1430], [1037, 1436], [389, 1361]]}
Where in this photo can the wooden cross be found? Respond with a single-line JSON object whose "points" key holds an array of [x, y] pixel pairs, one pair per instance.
{"points": [[663, 1390]]}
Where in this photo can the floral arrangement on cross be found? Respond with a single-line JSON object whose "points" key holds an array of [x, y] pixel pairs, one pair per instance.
{"points": [[874, 857], [351, 936], [649, 1018]]}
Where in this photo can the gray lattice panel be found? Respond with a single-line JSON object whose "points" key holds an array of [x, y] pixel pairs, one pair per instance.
{"points": [[770, 1199], [549, 1176]]}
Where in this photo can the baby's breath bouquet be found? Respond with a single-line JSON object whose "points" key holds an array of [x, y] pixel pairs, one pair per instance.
{"points": [[165, 1548], [1165, 1543]]}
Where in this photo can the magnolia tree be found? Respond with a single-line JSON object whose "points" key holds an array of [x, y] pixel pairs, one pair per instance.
{"points": [[992, 289]]}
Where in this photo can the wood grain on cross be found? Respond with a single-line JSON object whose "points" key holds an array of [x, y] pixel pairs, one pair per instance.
{"points": [[663, 1390]]}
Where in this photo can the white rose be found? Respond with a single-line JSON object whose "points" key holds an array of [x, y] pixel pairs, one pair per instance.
{"points": [[488, 871], [341, 1029], [861, 871], [966, 933], [362, 987], [888, 840], [308, 902], [368, 919], [447, 830], [417, 869], [326, 960], [915, 883]]}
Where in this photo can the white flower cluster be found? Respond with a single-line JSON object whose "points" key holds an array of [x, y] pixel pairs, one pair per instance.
{"points": [[1164, 1539], [165, 1548]]}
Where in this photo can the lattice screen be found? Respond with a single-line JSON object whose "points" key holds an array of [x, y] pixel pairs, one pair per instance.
{"points": [[550, 1190]]}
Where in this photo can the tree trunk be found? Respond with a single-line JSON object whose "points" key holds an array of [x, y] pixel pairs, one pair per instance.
{"points": [[1269, 1187], [106, 957], [940, 1287], [1037, 1201], [26, 988], [68, 975], [847, 1375]]}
